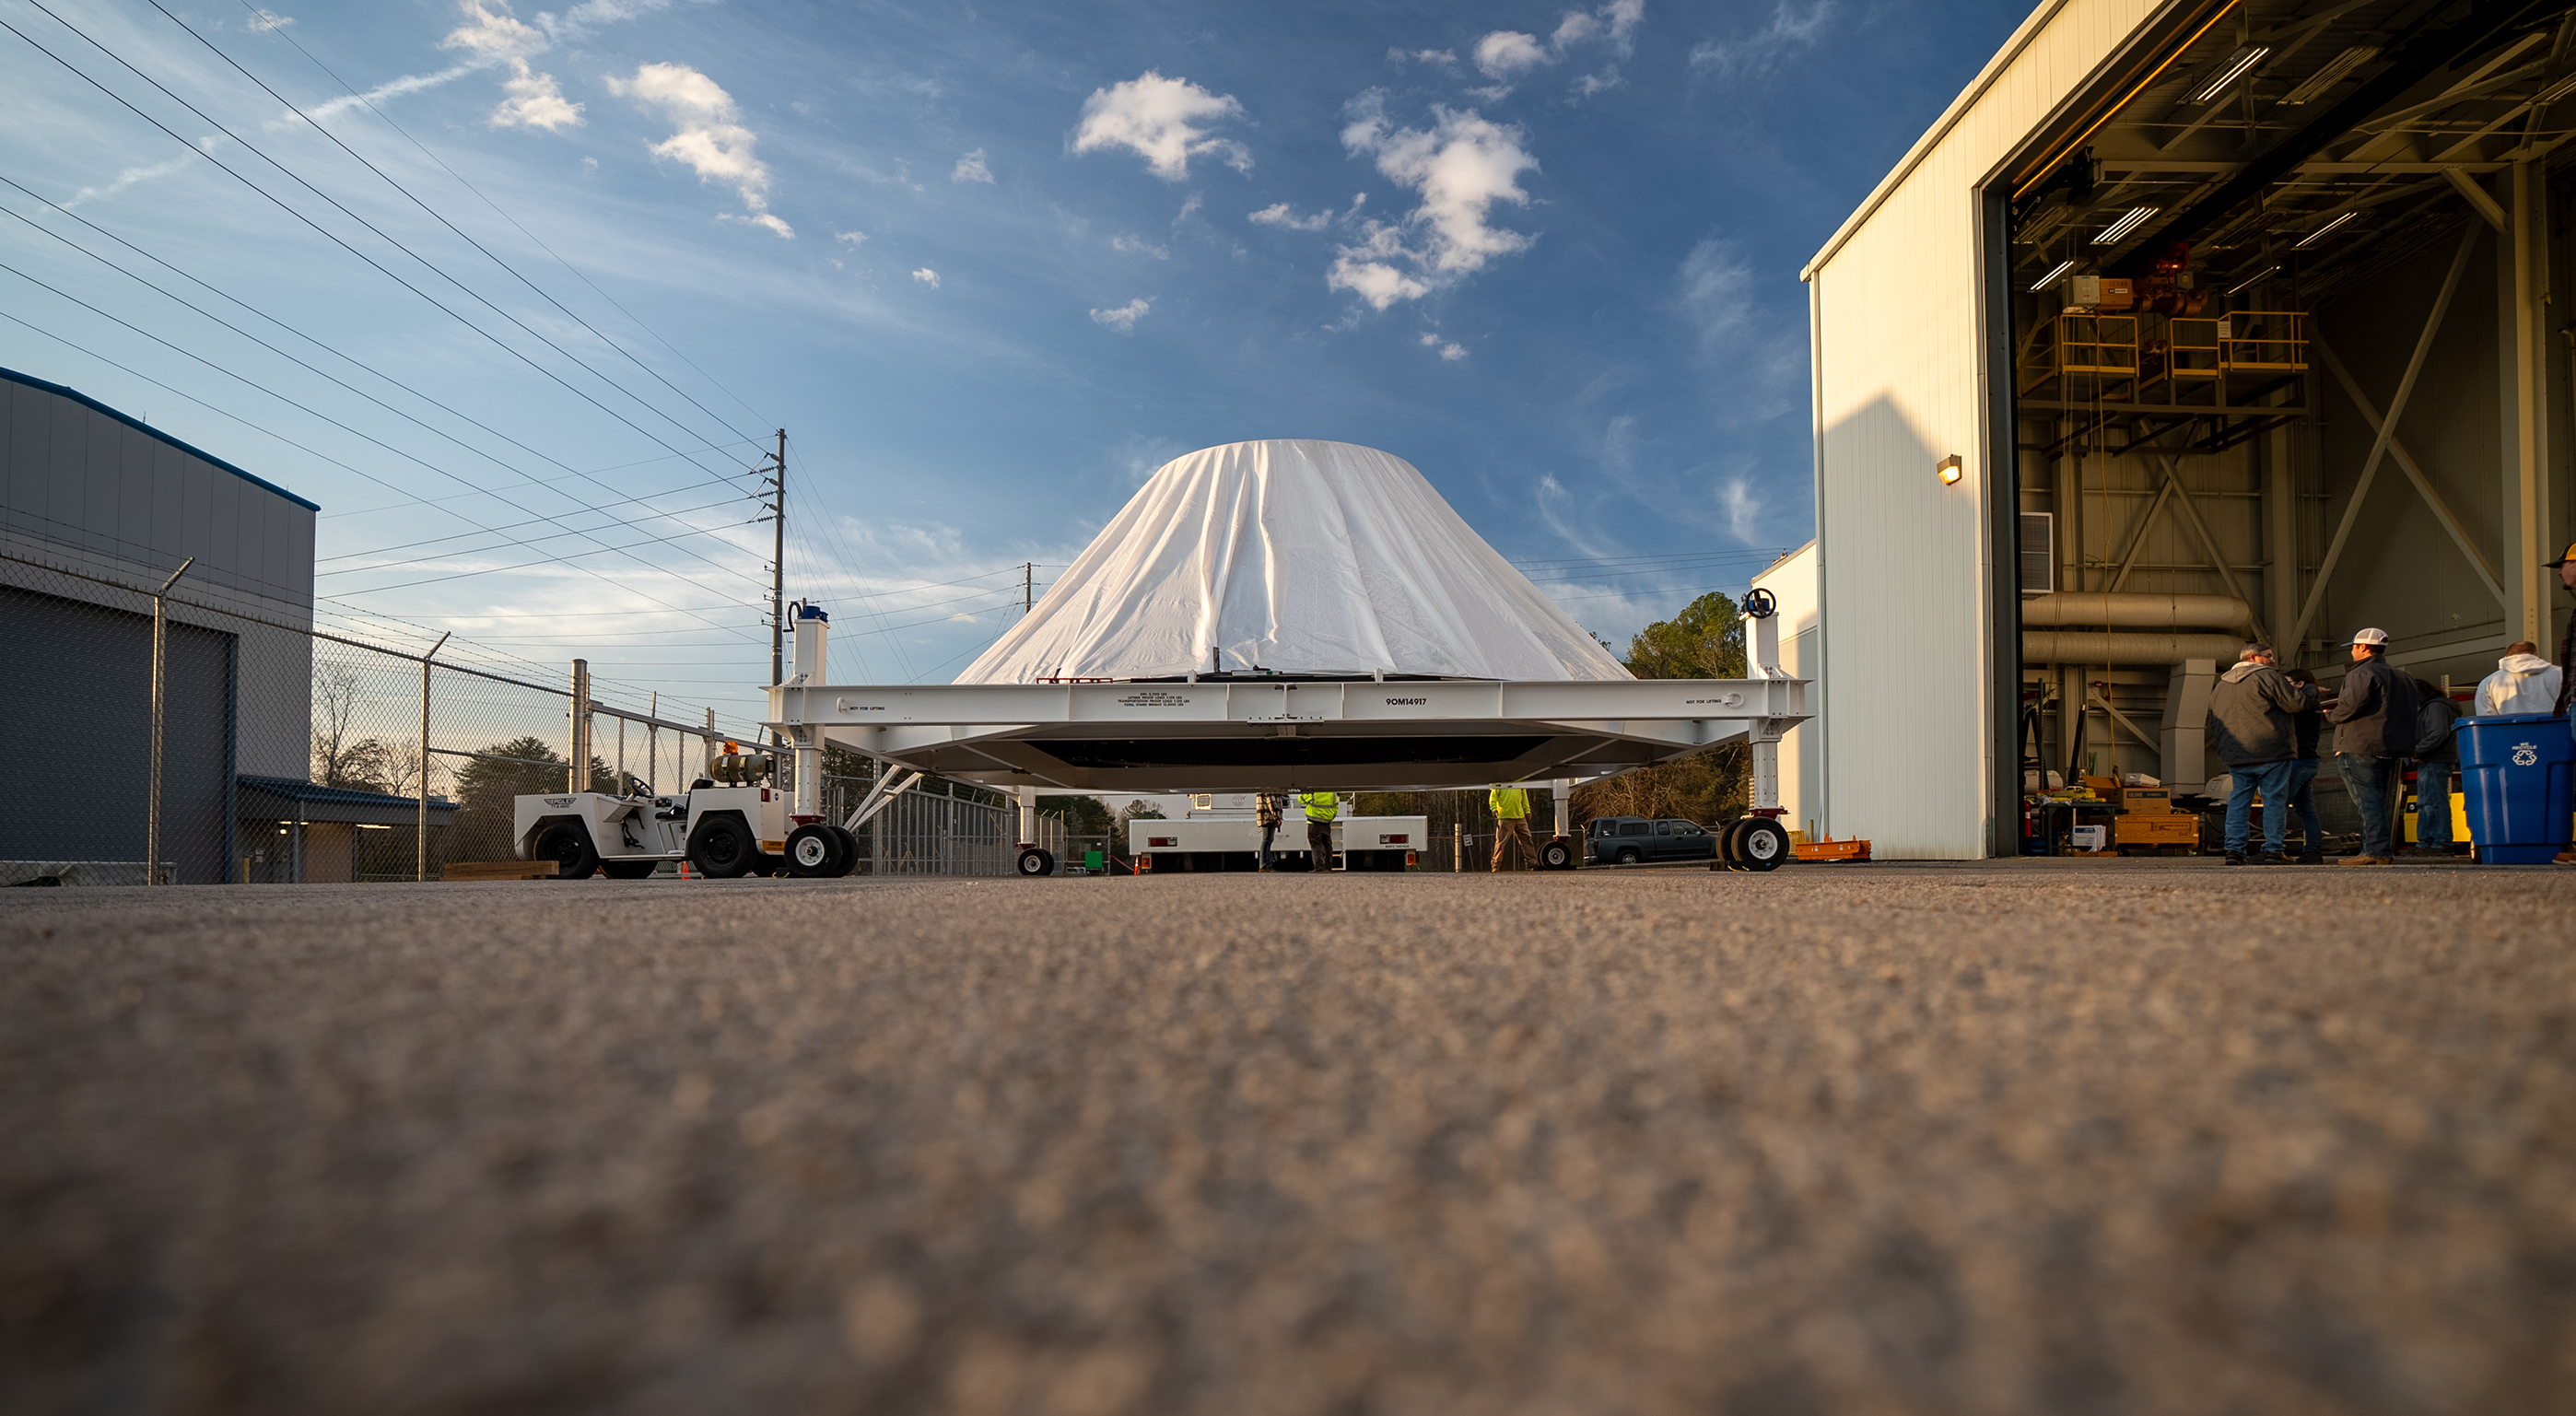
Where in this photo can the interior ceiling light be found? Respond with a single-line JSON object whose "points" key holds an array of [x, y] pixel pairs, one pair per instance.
{"points": [[2238, 65], [2257, 278], [2136, 217], [2320, 233], [2045, 225], [2331, 73], [2045, 281], [2555, 92]]}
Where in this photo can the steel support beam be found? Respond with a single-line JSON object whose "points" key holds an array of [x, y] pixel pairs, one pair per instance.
{"points": [[2387, 430], [2415, 474], [2200, 529], [2522, 266]]}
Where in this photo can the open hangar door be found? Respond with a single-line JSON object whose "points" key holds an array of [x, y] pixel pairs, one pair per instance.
{"points": [[2282, 363]]}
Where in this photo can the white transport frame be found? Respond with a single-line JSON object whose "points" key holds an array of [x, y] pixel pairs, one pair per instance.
{"points": [[1285, 733], [1363, 842]]}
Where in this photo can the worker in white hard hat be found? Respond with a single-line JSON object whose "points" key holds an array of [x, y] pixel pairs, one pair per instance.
{"points": [[2374, 722], [1320, 809]]}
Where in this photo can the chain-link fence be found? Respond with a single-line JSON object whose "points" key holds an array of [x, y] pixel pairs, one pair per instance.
{"points": [[936, 827], [222, 744]]}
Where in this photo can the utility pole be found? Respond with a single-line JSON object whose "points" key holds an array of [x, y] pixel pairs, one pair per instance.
{"points": [[777, 481]]}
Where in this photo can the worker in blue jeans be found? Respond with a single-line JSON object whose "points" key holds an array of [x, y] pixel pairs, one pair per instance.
{"points": [[2374, 718]]}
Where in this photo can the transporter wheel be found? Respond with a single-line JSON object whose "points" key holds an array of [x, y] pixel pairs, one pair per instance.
{"points": [[1628, 855], [1763, 844], [567, 844], [1035, 861], [1556, 855], [849, 850], [722, 848], [1728, 838], [814, 852], [627, 869]]}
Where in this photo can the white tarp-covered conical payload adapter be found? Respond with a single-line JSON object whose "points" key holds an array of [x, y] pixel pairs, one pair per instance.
{"points": [[1308, 558], [1289, 615]]}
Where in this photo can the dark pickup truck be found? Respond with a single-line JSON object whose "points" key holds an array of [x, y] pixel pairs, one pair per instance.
{"points": [[1634, 840]]}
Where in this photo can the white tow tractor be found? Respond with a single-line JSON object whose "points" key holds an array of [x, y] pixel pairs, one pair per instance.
{"points": [[732, 823]]}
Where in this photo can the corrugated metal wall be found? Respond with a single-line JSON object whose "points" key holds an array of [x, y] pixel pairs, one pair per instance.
{"points": [[1899, 384]]}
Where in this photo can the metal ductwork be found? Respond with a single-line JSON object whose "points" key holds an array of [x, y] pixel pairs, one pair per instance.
{"points": [[2093, 646], [2106, 610]]}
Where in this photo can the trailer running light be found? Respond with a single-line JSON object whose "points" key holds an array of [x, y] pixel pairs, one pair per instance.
{"points": [[1393, 840], [2045, 281], [2135, 218], [1161, 842], [2238, 65], [2320, 233]]}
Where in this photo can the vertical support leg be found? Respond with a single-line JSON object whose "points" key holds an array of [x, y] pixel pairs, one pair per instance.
{"points": [[809, 772], [1562, 789], [1028, 817], [1765, 743]]}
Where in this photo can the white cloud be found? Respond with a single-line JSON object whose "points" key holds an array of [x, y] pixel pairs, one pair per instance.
{"points": [[1278, 214], [491, 33], [1447, 59], [927, 276], [1123, 319], [1792, 28], [535, 101], [1506, 53], [971, 168], [710, 136], [1165, 121], [1138, 246], [1453, 352], [1460, 167], [1189, 208], [1742, 509], [1715, 291], [266, 20], [133, 175], [589, 164], [1762, 359], [849, 238]]}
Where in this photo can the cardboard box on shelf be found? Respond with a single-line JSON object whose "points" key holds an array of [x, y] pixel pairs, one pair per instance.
{"points": [[2145, 801]]}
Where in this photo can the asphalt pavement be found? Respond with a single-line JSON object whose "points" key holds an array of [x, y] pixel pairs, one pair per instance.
{"points": [[2029, 1137]]}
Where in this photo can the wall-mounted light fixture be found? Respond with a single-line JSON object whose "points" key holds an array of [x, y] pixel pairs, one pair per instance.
{"points": [[1949, 470]]}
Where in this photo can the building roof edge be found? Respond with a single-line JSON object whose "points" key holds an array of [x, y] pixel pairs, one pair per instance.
{"points": [[140, 426]]}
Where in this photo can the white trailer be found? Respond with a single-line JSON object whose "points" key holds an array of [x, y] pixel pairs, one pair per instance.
{"points": [[1232, 841]]}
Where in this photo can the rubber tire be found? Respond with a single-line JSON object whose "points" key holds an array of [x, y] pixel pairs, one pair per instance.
{"points": [[1628, 855], [567, 844], [1730, 844], [628, 869], [814, 853], [1035, 862], [1764, 844], [849, 850], [1556, 855], [723, 848]]}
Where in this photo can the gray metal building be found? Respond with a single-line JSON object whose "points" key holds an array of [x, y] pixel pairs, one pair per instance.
{"points": [[92, 492], [2186, 322]]}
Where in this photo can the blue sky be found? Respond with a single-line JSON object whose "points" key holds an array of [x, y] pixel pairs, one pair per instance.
{"points": [[988, 266]]}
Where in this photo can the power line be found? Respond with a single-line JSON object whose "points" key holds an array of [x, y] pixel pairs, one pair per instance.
{"points": [[309, 368], [266, 432], [228, 170], [388, 121], [452, 226]]}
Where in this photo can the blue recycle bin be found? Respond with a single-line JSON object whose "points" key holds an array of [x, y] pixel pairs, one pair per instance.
{"points": [[2518, 773]]}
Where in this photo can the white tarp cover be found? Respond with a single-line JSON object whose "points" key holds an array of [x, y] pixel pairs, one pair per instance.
{"points": [[1306, 557]]}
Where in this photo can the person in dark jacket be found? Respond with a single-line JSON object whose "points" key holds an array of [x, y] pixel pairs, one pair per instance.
{"points": [[2565, 565], [2303, 770], [2437, 758], [2252, 709], [2374, 718]]}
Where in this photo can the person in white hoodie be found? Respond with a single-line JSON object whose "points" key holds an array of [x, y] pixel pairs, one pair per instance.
{"points": [[2523, 682]]}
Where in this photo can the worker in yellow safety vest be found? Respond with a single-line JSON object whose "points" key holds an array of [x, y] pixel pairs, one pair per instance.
{"points": [[1321, 808], [1511, 827]]}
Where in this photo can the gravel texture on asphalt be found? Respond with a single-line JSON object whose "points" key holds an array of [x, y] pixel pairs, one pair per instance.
{"points": [[2000, 1138]]}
